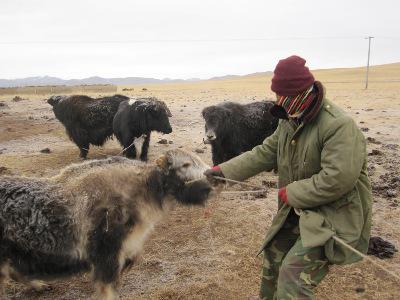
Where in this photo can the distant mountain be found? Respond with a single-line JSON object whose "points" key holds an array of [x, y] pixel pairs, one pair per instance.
{"points": [[48, 80], [238, 76], [224, 77]]}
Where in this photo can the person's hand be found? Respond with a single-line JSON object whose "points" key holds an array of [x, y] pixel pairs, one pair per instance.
{"points": [[282, 195], [211, 173]]}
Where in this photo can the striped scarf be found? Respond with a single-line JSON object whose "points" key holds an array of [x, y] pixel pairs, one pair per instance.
{"points": [[295, 106]]}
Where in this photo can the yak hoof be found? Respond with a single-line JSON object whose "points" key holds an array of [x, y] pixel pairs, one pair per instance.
{"points": [[40, 286]]}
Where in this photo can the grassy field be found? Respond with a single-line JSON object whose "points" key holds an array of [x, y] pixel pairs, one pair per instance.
{"points": [[196, 256]]}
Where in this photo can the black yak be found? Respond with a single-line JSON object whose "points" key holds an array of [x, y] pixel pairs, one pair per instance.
{"points": [[232, 128], [136, 119], [87, 121], [93, 216]]}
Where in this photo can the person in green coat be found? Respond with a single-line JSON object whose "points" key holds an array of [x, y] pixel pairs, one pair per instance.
{"points": [[324, 189]]}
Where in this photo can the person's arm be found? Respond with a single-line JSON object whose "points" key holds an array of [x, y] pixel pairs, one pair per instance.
{"points": [[342, 159], [261, 158]]}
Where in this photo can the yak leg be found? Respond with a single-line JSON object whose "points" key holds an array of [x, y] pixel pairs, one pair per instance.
{"points": [[2, 290], [145, 147], [129, 146], [81, 139], [4, 275], [37, 285], [217, 153], [103, 253], [131, 151], [83, 151], [104, 291]]}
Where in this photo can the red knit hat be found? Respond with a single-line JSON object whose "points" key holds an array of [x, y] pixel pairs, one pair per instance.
{"points": [[291, 76]]}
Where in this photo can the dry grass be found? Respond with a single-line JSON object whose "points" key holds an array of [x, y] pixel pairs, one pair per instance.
{"points": [[190, 255], [59, 89]]}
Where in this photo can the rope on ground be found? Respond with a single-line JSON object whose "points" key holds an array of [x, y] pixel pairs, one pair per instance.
{"points": [[238, 182], [340, 241], [336, 238]]}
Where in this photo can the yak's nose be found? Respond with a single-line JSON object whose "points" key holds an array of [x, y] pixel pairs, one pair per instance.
{"points": [[210, 137]]}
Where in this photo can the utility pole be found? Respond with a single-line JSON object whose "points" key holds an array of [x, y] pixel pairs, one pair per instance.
{"points": [[369, 51]]}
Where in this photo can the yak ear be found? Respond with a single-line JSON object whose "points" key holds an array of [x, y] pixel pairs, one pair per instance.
{"points": [[207, 110]]}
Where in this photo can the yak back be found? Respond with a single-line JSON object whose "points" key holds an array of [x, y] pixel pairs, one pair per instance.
{"points": [[253, 115], [86, 111], [87, 120], [34, 215]]}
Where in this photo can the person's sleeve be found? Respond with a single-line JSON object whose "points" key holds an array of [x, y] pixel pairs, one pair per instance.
{"points": [[261, 158], [342, 159]]}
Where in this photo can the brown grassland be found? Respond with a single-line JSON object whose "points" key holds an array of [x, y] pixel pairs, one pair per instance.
{"points": [[191, 255]]}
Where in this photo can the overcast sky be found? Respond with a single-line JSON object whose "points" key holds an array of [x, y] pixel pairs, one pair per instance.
{"points": [[190, 38]]}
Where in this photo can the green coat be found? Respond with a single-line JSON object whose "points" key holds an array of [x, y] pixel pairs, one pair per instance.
{"points": [[323, 165]]}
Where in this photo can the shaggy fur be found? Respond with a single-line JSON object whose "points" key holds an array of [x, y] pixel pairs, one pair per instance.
{"points": [[87, 121], [232, 128], [136, 119], [92, 216]]}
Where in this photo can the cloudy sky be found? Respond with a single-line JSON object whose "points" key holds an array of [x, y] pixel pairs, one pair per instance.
{"points": [[190, 38]]}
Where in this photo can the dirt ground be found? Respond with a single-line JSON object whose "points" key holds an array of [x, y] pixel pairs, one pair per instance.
{"points": [[194, 256]]}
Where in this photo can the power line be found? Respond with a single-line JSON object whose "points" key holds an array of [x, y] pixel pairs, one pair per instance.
{"points": [[136, 41]]}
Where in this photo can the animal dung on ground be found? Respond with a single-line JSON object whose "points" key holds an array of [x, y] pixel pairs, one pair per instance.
{"points": [[373, 140], [364, 129], [3, 170], [360, 290], [375, 152], [198, 150], [163, 141], [381, 248], [45, 150], [92, 217], [17, 99], [391, 193]]}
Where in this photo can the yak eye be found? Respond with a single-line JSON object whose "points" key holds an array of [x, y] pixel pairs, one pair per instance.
{"points": [[186, 165]]}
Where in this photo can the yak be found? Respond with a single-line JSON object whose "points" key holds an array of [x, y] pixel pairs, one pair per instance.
{"points": [[232, 128], [94, 216], [136, 119], [87, 121]]}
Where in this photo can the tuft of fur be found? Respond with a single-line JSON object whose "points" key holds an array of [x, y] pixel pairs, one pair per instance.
{"points": [[136, 119], [92, 216], [232, 128], [87, 121]]}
